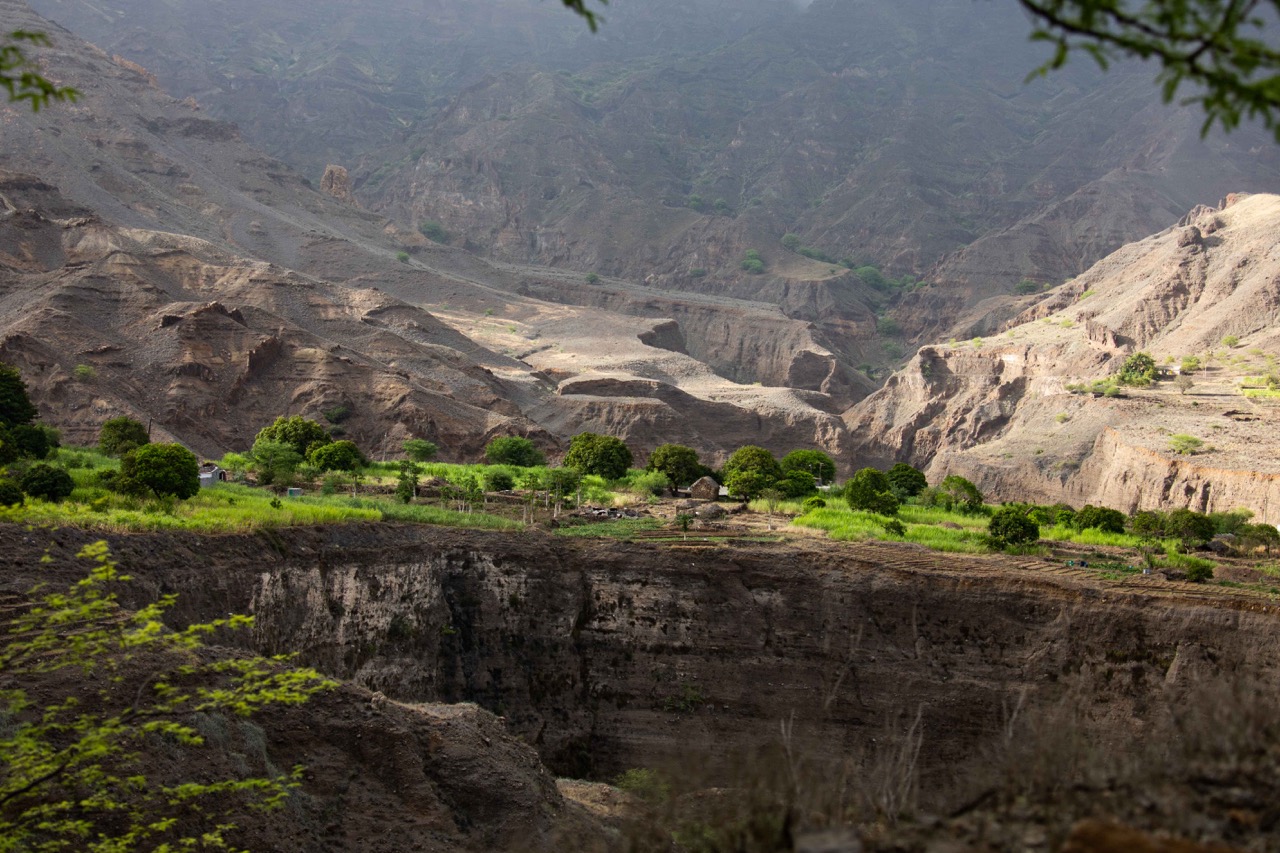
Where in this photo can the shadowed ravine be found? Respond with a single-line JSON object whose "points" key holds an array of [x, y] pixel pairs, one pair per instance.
{"points": [[608, 655]]}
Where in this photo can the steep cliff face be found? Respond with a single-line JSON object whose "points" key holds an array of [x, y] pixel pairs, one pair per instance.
{"points": [[606, 655], [997, 410]]}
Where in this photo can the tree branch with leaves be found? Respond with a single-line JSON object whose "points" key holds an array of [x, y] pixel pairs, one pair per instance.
{"points": [[19, 75], [1218, 48], [90, 693]]}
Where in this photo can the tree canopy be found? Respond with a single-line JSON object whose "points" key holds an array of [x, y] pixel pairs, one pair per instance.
{"points": [[602, 455], [165, 469], [1215, 48], [301, 434], [815, 462], [15, 406], [120, 435], [678, 462], [513, 450]]}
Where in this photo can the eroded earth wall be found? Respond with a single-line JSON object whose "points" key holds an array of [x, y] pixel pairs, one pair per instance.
{"points": [[608, 655]]}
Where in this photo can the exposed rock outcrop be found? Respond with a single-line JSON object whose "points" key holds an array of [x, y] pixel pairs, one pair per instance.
{"points": [[337, 183], [999, 412]]}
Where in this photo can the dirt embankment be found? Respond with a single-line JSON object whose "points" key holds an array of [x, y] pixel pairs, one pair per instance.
{"points": [[608, 655]]}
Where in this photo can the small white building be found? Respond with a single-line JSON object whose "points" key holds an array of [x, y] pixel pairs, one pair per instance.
{"points": [[210, 474]]}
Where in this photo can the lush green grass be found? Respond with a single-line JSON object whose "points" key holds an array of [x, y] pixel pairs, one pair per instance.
{"points": [[620, 528], [850, 525], [391, 510], [1090, 536], [912, 514], [223, 508]]}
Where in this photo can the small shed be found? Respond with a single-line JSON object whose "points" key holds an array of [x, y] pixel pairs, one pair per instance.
{"points": [[210, 474], [705, 489]]}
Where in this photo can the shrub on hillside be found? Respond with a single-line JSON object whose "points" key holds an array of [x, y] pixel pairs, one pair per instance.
{"points": [[10, 493], [120, 435], [814, 462], [870, 490], [1010, 525], [601, 455], [337, 456], [47, 482], [513, 450], [1100, 518], [165, 469]]}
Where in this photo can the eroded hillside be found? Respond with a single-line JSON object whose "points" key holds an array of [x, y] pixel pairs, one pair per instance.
{"points": [[998, 409], [210, 288]]}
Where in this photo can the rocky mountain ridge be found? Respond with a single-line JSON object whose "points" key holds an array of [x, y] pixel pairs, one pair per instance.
{"points": [[999, 410]]}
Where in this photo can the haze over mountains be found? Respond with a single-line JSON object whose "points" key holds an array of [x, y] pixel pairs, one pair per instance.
{"points": [[595, 197]]}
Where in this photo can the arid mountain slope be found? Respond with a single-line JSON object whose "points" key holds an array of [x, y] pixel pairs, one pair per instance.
{"points": [[997, 410], [896, 133], [212, 288]]}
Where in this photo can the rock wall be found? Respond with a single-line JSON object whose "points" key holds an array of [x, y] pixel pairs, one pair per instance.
{"points": [[607, 655], [1129, 477]]}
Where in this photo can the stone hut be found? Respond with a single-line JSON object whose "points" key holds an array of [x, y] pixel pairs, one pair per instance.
{"points": [[705, 489]]}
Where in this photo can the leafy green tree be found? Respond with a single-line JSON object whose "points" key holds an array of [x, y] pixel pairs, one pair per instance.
{"points": [[1099, 517], [120, 435], [48, 482], [754, 459], [747, 483], [90, 690], [337, 456], [796, 484], [1219, 49], [1010, 525], [1138, 369], [678, 462], [1254, 536], [499, 480], [960, 494], [10, 493], [274, 461], [16, 407], [420, 450], [1184, 444], [407, 483], [790, 241], [301, 434], [821, 466], [602, 455], [1193, 528], [30, 440], [907, 481], [1148, 523], [514, 450], [165, 469], [870, 490]]}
